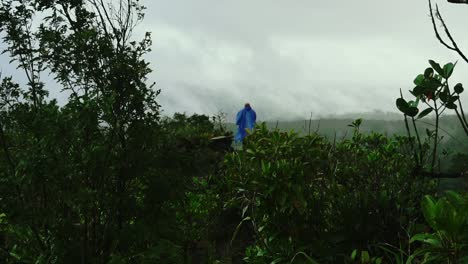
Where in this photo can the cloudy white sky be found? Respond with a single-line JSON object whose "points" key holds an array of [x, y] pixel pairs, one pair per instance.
{"points": [[291, 58]]}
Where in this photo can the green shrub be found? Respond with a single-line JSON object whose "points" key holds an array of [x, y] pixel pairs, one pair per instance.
{"points": [[305, 194], [448, 220]]}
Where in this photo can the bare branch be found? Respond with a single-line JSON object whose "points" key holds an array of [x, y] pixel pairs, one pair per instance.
{"points": [[436, 31], [458, 1], [439, 16], [454, 45]]}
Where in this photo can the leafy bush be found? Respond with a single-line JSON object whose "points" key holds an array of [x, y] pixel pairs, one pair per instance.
{"points": [[448, 220], [104, 178], [433, 90], [305, 194]]}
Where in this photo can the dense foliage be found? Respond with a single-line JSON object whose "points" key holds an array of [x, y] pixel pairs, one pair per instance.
{"points": [[102, 177], [306, 194]]}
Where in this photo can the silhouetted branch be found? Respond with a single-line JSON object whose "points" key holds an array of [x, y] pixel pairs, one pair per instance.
{"points": [[458, 1], [437, 15]]}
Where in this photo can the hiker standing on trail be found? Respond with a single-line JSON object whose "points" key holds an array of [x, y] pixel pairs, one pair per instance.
{"points": [[245, 120]]}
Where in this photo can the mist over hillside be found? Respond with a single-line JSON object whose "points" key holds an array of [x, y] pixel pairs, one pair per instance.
{"points": [[336, 128], [385, 123]]}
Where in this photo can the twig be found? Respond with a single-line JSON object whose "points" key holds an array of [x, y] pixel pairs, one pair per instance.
{"points": [[419, 141], [454, 46]]}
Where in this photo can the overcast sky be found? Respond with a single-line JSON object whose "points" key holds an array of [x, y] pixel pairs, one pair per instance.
{"points": [[290, 58]]}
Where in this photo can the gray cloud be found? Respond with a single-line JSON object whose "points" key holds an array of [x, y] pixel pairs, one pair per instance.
{"points": [[290, 58]]}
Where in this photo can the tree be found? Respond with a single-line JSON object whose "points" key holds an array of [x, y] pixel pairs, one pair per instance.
{"points": [[72, 176], [454, 47]]}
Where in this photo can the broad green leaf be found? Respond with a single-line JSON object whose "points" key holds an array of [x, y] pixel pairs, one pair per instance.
{"points": [[428, 206], [444, 96], [365, 258], [448, 70], [419, 80], [402, 105], [425, 112], [453, 99], [432, 84], [278, 260], [455, 198], [15, 256], [430, 239], [451, 105], [412, 111], [429, 72], [418, 91], [436, 67]]}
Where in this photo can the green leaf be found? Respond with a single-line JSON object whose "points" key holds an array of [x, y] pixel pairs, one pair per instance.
{"points": [[444, 96], [412, 111], [458, 88], [238, 228], [425, 112], [429, 72], [419, 79], [354, 254], [453, 99], [250, 151], [432, 84], [448, 70], [429, 132], [451, 105], [278, 260], [436, 66], [365, 258], [244, 210], [15, 256], [430, 239], [402, 105], [455, 198], [418, 91], [428, 207]]}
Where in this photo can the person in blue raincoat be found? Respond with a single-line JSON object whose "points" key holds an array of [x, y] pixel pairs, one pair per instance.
{"points": [[245, 120]]}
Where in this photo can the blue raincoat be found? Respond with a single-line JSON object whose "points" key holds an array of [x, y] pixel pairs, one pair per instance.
{"points": [[245, 120]]}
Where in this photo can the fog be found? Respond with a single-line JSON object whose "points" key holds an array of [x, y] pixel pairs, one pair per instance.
{"points": [[289, 58]]}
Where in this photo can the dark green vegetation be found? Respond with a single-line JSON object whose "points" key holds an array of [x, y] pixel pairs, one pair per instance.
{"points": [[451, 135], [305, 194], [105, 179]]}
